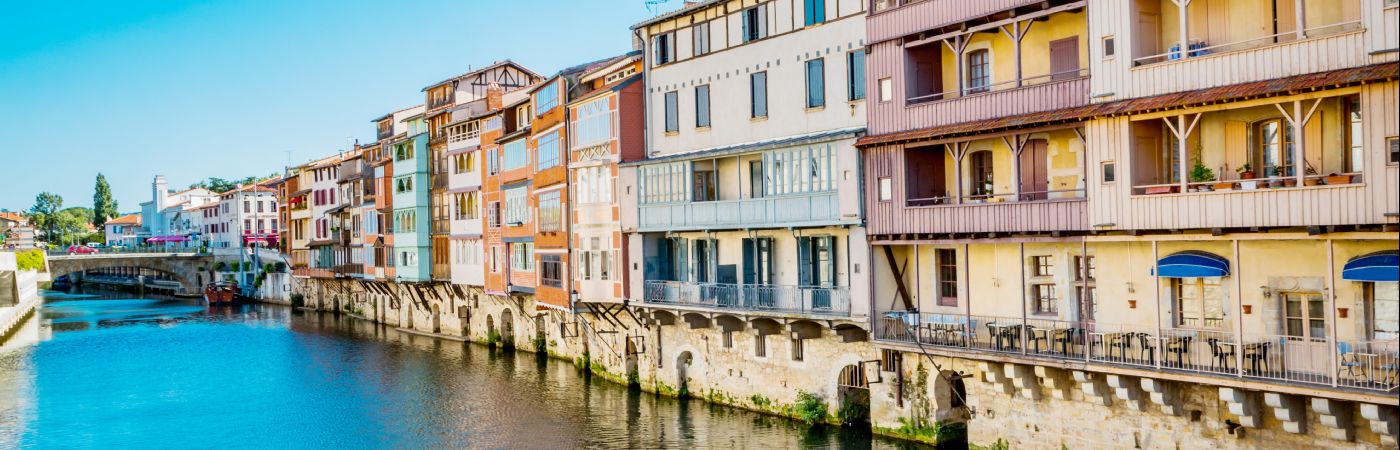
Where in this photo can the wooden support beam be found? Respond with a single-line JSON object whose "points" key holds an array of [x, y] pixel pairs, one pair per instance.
{"points": [[898, 281]]}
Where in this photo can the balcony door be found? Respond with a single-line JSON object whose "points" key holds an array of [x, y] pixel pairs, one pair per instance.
{"points": [[758, 273], [1305, 327], [816, 272], [1035, 177]]}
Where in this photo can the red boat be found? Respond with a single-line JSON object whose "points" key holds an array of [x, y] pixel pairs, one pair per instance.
{"points": [[221, 292]]}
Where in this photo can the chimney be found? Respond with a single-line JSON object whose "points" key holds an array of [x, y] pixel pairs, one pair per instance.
{"points": [[493, 97]]}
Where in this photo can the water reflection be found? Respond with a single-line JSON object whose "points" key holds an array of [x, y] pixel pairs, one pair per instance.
{"points": [[136, 372]]}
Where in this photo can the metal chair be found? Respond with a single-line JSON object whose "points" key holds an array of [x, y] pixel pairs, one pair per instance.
{"points": [[1220, 355]]}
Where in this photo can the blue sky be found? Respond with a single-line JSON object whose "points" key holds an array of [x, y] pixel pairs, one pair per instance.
{"points": [[226, 88]]}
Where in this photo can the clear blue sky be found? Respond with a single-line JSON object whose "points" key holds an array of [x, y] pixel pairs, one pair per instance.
{"points": [[225, 88]]}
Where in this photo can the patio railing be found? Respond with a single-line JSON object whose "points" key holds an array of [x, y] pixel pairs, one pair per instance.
{"points": [[1368, 365], [835, 301]]}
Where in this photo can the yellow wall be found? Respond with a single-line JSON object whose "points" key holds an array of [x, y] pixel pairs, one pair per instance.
{"points": [[1064, 152], [1035, 50]]}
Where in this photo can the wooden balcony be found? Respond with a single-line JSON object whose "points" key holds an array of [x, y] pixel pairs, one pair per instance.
{"points": [[938, 110], [1050, 215]]}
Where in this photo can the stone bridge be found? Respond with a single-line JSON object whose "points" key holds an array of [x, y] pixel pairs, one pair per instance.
{"points": [[190, 269]]}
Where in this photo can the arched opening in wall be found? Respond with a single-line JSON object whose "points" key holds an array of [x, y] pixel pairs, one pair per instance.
{"points": [[407, 312], [950, 406], [491, 334], [541, 339], [437, 319], [853, 392], [465, 315], [683, 362], [507, 329], [630, 363]]}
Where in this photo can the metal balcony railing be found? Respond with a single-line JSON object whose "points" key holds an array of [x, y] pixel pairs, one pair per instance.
{"points": [[829, 301], [1364, 365]]}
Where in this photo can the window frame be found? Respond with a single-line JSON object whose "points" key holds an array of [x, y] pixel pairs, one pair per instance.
{"points": [[758, 81], [855, 75], [702, 106], [671, 112], [815, 70]]}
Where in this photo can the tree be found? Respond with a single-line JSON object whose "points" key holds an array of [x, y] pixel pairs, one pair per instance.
{"points": [[46, 205], [103, 206], [71, 224]]}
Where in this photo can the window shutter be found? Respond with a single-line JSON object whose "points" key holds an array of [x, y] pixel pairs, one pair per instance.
{"points": [[750, 261], [831, 266], [713, 268], [682, 268], [804, 261], [1236, 147], [762, 21]]}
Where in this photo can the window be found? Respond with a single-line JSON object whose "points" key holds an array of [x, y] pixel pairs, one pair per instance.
{"points": [[704, 184], [493, 165], [815, 12], [1084, 286], [551, 270], [702, 106], [1394, 144], [247, 207], [406, 221], [1198, 302], [758, 94], [517, 212], [886, 189], [547, 151], [403, 184], [796, 349], [593, 123], [408, 259], [982, 173], [947, 276], [1109, 171], [1108, 46], [594, 185], [401, 152], [1304, 315], [1274, 147], [855, 75], [464, 162], [516, 155], [665, 183], [493, 214], [700, 37], [665, 47], [755, 23], [522, 116], [800, 170], [979, 71], [522, 256], [816, 83], [886, 89], [672, 113], [1356, 154], [1044, 297], [760, 345], [547, 98], [1042, 266], [1384, 311], [551, 213]]}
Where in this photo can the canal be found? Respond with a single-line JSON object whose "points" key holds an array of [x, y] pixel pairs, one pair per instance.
{"points": [[101, 370]]}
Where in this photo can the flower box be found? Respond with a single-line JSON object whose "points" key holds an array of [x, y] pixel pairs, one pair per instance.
{"points": [[1339, 179]]}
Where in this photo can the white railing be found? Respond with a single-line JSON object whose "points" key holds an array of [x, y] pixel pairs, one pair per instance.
{"points": [[1365, 365], [1198, 48], [835, 301]]}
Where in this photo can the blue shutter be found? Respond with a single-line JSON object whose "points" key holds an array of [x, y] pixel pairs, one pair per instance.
{"points": [[804, 261]]}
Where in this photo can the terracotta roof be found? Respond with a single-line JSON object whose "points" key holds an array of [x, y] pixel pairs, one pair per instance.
{"points": [[13, 216], [129, 219], [1234, 92], [686, 8]]}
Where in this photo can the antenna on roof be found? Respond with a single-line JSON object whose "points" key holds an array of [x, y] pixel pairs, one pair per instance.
{"points": [[654, 6]]}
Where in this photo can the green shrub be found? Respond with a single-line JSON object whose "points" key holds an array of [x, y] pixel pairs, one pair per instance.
{"points": [[759, 401], [810, 407], [30, 259], [298, 300], [221, 266], [493, 337], [852, 413]]}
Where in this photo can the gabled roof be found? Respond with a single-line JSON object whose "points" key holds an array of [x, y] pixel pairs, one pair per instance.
{"points": [[495, 65]]}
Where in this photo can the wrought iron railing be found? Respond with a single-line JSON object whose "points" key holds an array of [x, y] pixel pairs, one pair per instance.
{"points": [[1366, 365]]}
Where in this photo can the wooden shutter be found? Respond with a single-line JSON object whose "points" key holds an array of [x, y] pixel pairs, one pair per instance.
{"points": [[750, 261], [682, 255], [804, 261], [1064, 58], [832, 254], [1313, 146], [1236, 148]]}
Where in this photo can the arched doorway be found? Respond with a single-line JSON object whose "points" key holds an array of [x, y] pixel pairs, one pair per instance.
{"points": [[683, 362], [950, 406], [437, 319], [853, 391], [408, 314], [507, 329]]}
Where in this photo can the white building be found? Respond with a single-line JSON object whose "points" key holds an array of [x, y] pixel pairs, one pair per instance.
{"points": [[168, 217], [247, 214], [123, 230]]}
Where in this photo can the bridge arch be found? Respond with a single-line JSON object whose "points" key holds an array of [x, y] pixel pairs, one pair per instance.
{"points": [[187, 269]]}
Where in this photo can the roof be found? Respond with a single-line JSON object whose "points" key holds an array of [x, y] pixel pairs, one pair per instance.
{"points": [[129, 219], [747, 147], [699, 5], [1179, 100], [494, 65], [391, 115], [13, 216]]}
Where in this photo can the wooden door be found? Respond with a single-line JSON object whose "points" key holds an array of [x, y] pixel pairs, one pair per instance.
{"points": [[1035, 176], [1064, 58], [1148, 36]]}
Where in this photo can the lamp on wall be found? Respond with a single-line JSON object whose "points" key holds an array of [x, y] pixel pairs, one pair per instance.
{"points": [[1266, 292], [1131, 289]]}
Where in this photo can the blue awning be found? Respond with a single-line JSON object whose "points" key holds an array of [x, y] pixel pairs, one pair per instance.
{"points": [[1192, 265], [1379, 266]]}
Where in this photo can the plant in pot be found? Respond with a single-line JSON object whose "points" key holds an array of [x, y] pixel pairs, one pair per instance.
{"points": [[1201, 174], [1246, 172], [1311, 179]]}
